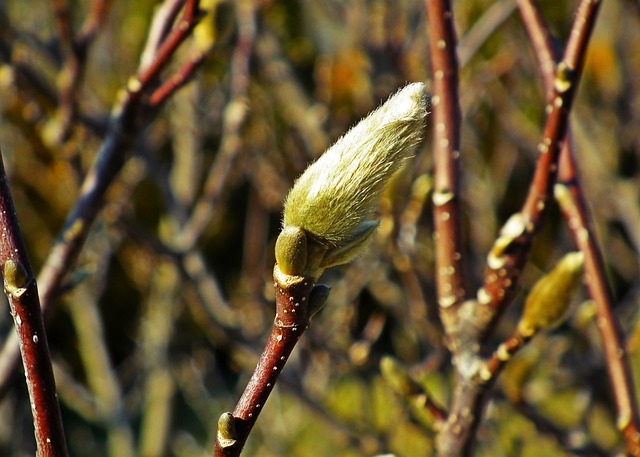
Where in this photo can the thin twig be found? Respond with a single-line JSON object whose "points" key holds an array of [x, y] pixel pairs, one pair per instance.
{"points": [[293, 308], [177, 80], [571, 199], [170, 44], [94, 20], [21, 289]]}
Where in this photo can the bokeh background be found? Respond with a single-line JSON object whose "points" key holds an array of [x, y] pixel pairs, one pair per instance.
{"points": [[163, 317]]}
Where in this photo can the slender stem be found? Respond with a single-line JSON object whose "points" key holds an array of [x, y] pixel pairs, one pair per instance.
{"points": [[94, 20], [502, 355], [177, 80], [541, 42], [293, 296], [20, 287], [446, 149]]}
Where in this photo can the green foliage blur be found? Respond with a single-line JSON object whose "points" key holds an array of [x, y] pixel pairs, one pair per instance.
{"points": [[155, 337]]}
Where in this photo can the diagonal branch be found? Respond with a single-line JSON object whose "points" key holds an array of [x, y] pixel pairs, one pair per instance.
{"points": [[509, 254], [294, 305], [570, 196]]}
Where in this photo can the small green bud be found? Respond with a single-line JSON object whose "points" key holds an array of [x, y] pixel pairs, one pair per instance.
{"points": [[16, 278], [332, 204], [291, 250], [227, 435], [548, 302]]}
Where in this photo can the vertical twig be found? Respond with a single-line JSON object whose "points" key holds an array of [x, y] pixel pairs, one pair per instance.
{"points": [[21, 289], [571, 199], [446, 151]]}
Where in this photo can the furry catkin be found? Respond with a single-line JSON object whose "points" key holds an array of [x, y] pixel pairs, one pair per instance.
{"points": [[332, 203]]}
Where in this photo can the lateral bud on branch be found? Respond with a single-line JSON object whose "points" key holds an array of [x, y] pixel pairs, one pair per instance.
{"points": [[227, 434], [548, 302], [15, 277], [515, 227]]}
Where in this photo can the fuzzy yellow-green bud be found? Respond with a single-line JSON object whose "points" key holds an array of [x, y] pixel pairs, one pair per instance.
{"points": [[548, 302], [328, 214]]}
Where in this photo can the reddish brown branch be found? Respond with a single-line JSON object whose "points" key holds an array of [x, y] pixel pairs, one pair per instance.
{"points": [[177, 80], [571, 199], [541, 42], [168, 46], [22, 292], [446, 149], [501, 356], [293, 297]]}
